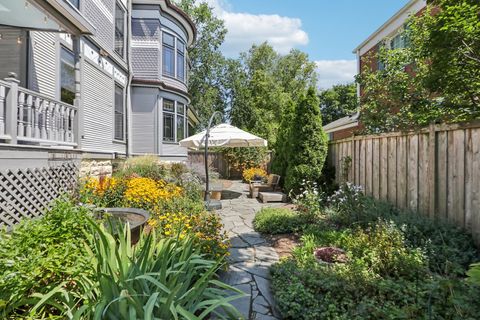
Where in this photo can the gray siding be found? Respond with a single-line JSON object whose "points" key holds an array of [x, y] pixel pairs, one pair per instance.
{"points": [[145, 62], [98, 101], [43, 75], [144, 102], [101, 15], [170, 149]]}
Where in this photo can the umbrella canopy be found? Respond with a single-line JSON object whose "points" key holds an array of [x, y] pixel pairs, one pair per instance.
{"points": [[224, 135]]}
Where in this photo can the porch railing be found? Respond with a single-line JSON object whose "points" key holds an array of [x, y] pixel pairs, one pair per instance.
{"points": [[28, 117]]}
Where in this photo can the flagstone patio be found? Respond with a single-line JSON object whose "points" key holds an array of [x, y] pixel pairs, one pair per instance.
{"points": [[251, 256]]}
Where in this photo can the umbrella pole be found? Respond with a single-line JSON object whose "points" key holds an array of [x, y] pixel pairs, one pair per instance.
{"points": [[207, 135]]}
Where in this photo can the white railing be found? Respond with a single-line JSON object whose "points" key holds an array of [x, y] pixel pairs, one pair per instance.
{"points": [[30, 117]]}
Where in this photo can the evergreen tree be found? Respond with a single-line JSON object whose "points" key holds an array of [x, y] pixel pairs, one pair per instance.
{"points": [[308, 143]]}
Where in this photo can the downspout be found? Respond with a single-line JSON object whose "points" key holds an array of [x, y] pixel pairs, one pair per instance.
{"points": [[129, 82]]}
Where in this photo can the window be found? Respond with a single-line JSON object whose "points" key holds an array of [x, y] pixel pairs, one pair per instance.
{"points": [[67, 76], [75, 3], [119, 30], [398, 42], [180, 61], [180, 121], [119, 114], [168, 121], [168, 56]]}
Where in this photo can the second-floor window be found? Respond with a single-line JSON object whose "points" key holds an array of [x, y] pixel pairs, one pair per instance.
{"points": [[119, 30], [180, 60], [67, 76], [119, 120], [168, 56]]}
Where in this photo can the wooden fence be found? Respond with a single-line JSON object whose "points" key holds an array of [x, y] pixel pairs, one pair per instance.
{"points": [[435, 171], [216, 160], [27, 193]]}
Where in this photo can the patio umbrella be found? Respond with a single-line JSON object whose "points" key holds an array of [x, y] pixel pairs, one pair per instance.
{"points": [[222, 135]]}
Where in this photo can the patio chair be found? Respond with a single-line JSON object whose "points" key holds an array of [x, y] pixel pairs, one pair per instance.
{"points": [[270, 185]]}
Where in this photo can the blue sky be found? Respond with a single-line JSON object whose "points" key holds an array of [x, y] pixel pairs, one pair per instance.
{"points": [[328, 30]]}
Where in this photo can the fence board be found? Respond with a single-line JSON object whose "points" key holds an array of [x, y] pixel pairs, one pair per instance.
{"points": [[392, 170], [376, 168], [442, 175], [402, 172], [28, 193], [384, 169], [435, 171], [423, 174], [412, 172]]}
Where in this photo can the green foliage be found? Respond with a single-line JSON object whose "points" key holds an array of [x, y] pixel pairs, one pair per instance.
{"points": [[436, 78], [147, 166], [245, 158], [39, 254], [262, 87], [452, 46], [278, 220], [400, 265], [339, 101], [154, 279], [308, 144]]}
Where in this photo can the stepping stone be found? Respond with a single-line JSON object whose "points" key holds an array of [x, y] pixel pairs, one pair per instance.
{"points": [[252, 238], [265, 253], [258, 268], [243, 304], [264, 288], [237, 242], [235, 276], [241, 254]]}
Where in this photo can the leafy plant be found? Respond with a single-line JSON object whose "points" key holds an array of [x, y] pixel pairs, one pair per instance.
{"points": [[277, 220], [157, 279], [39, 254], [147, 166]]}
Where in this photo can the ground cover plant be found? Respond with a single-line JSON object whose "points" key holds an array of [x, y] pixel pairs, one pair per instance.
{"points": [[397, 265]]}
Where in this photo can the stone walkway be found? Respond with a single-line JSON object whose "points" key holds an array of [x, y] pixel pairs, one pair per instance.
{"points": [[250, 255]]}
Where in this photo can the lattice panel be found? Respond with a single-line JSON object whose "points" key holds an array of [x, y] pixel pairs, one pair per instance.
{"points": [[28, 193]]}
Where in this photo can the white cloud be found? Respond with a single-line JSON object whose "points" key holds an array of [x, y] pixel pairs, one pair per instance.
{"points": [[245, 29], [332, 72]]}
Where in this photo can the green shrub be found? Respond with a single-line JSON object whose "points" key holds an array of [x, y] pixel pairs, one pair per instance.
{"points": [[157, 279], [276, 221], [308, 143], [147, 166], [42, 253], [351, 292]]}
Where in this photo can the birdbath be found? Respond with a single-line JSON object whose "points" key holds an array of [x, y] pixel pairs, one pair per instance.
{"points": [[135, 217]]}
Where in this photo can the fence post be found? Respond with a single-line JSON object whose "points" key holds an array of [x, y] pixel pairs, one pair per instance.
{"points": [[432, 185], [11, 108]]}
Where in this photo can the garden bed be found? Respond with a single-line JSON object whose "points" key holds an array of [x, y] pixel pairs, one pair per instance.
{"points": [[394, 265]]}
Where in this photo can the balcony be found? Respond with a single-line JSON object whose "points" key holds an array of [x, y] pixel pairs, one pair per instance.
{"points": [[30, 118]]}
